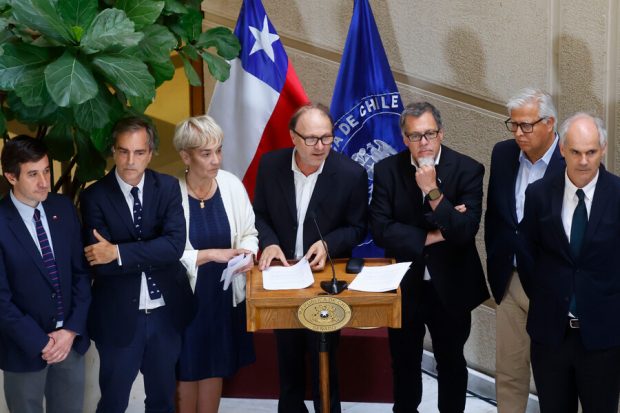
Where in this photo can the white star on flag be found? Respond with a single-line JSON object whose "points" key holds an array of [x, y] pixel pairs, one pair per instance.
{"points": [[264, 40]]}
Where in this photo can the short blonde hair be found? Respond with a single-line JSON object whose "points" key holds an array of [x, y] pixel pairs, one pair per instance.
{"points": [[197, 131]]}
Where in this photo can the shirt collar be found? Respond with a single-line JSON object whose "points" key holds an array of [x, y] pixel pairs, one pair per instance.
{"points": [[295, 168], [588, 189], [546, 158], [125, 187], [25, 210], [414, 163]]}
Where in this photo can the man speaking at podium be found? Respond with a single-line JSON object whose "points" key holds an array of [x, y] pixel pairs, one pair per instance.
{"points": [[426, 207], [296, 190]]}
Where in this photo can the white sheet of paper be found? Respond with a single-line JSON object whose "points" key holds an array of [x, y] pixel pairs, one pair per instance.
{"points": [[380, 279], [234, 264], [295, 277]]}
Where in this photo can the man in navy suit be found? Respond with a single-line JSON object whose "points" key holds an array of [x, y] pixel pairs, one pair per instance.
{"points": [[515, 163], [571, 229], [44, 287], [294, 188], [141, 295], [426, 208]]}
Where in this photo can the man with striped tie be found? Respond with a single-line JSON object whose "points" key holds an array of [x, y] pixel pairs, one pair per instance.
{"points": [[142, 300], [44, 287]]}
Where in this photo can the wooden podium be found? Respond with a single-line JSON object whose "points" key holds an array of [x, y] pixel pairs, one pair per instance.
{"points": [[279, 309]]}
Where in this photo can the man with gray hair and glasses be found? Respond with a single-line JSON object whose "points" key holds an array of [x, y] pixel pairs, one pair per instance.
{"points": [[426, 208], [515, 163], [571, 232]]}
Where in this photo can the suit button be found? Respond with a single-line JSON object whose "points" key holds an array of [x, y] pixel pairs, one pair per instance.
{"points": [[53, 295], [516, 232]]}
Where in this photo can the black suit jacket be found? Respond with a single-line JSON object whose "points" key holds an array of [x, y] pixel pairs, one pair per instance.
{"points": [[554, 274], [501, 236], [116, 289], [400, 220], [27, 297], [339, 203]]}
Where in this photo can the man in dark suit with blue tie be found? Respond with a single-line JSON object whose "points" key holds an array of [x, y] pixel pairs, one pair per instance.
{"points": [[515, 163], [141, 295], [571, 229], [426, 208], [44, 287]]}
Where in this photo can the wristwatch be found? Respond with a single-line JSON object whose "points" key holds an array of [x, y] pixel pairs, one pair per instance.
{"points": [[434, 194]]}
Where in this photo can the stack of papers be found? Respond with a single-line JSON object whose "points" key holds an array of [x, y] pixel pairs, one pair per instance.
{"points": [[380, 279], [235, 264], [295, 277]]}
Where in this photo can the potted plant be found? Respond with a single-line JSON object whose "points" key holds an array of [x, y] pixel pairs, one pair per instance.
{"points": [[71, 68]]}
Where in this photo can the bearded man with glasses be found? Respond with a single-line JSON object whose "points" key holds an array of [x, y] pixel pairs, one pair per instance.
{"points": [[426, 208], [515, 163]]}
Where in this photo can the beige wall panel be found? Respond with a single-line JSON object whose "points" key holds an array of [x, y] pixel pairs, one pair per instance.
{"points": [[582, 56]]}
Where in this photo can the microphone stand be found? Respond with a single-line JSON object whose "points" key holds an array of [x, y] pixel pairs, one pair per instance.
{"points": [[334, 286]]}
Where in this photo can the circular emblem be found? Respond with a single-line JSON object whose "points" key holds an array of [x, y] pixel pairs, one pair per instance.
{"points": [[324, 314]]}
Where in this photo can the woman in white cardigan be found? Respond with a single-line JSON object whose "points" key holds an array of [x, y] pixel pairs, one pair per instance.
{"points": [[220, 226]]}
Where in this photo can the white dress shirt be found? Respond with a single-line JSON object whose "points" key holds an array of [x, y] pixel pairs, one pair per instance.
{"points": [[145, 302], [304, 187], [569, 203]]}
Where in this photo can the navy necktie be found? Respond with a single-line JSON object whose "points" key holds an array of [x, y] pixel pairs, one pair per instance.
{"points": [[49, 262], [154, 292], [577, 233]]}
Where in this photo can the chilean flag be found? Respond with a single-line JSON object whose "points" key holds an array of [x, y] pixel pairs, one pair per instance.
{"points": [[254, 105]]}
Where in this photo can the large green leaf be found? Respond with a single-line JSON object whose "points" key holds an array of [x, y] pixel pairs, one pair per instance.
{"points": [[69, 82], [29, 115], [102, 138], [4, 22], [110, 29], [139, 104], [90, 163], [141, 12], [218, 67], [162, 71], [59, 141], [191, 74], [42, 16], [175, 7], [78, 13], [223, 40], [191, 22], [31, 87], [157, 44], [16, 59], [93, 113], [128, 74]]}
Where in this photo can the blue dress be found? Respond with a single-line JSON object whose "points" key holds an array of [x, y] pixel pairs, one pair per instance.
{"points": [[216, 343]]}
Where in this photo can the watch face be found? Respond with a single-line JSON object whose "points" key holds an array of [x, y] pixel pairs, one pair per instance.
{"points": [[434, 194]]}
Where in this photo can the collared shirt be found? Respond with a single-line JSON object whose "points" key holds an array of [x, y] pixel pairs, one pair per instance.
{"points": [[569, 203], [530, 172], [427, 274], [26, 212], [304, 187], [145, 303]]}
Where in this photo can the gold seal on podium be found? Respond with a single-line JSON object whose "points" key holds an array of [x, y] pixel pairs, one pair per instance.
{"points": [[324, 314]]}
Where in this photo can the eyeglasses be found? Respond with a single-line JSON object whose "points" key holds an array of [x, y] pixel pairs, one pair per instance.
{"points": [[313, 140], [417, 137], [525, 126]]}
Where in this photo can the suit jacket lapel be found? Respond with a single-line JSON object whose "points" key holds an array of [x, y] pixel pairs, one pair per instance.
{"points": [[23, 236], [557, 199], [510, 192], [284, 176], [322, 187], [150, 190], [599, 204]]}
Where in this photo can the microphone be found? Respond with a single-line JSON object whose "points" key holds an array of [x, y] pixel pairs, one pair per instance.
{"points": [[334, 286]]}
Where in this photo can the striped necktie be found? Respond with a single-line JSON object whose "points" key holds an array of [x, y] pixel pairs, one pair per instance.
{"points": [[49, 262], [154, 292]]}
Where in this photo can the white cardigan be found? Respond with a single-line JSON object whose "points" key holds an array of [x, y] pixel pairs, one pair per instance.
{"points": [[243, 233]]}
